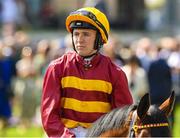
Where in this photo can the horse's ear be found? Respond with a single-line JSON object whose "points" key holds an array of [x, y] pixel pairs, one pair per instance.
{"points": [[167, 105], [143, 106]]}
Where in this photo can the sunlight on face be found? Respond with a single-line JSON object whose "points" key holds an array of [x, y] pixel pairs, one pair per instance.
{"points": [[84, 41]]}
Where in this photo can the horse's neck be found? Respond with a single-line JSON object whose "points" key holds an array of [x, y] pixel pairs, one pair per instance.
{"points": [[122, 131]]}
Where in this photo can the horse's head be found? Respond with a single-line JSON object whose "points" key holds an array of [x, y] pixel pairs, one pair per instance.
{"points": [[142, 120], [151, 120]]}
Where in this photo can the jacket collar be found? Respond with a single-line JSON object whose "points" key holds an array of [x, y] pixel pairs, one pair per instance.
{"points": [[88, 63]]}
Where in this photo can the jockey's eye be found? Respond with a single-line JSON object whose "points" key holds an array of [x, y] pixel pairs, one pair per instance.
{"points": [[75, 33]]}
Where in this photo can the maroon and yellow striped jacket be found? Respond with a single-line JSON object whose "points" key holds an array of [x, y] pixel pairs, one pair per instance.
{"points": [[75, 94]]}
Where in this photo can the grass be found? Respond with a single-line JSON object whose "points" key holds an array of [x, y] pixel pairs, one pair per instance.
{"points": [[21, 132], [31, 132], [38, 131], [176, 130]]}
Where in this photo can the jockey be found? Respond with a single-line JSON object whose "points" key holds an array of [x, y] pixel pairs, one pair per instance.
{"points": [[82, 85]]}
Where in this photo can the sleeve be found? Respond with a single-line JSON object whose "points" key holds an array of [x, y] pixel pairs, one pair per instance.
{"points": [[121, 94], [50, 104]]}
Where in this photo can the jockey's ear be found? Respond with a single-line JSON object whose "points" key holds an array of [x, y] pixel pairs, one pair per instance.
{"points": [[143, 106], [168, 105]]}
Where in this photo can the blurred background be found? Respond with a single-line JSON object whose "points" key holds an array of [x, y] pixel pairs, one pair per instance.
{"points": [[144, 41]]}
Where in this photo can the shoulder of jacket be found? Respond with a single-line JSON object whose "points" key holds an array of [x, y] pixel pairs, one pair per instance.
{"points": [[65, 58], [105, 59]]}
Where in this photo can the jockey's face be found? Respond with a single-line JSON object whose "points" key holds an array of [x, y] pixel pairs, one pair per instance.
{"points": [[84, 41]]}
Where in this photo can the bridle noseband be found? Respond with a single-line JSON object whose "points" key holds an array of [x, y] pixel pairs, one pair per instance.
{"points": [[134, 128], [137, 127]]}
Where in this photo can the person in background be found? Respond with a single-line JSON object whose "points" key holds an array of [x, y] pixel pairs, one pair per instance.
{"points": [[6, 93], [160, 81], [137, 77], [26, 74], [82, 85], [9, 14], [111, 50]]}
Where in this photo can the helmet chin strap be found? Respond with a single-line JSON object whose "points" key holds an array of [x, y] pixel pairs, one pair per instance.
{"points": [[89, 56]]}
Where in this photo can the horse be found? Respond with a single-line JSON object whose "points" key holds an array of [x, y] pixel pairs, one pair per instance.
{"points": [[140, 120]]}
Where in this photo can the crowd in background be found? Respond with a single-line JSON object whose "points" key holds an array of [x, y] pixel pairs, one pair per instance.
{"points": [[150, 66]]}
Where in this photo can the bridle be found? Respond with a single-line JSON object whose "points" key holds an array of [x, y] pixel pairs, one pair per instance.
{"points": [[134, 128]]}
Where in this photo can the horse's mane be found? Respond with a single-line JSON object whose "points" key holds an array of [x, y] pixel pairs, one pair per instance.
{"points": [[112, 120]]}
